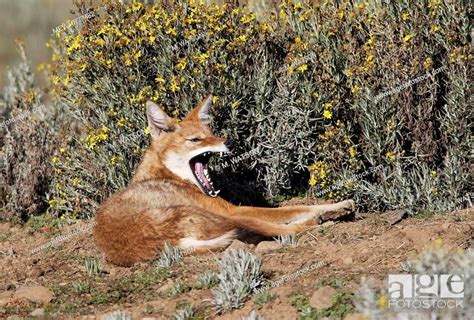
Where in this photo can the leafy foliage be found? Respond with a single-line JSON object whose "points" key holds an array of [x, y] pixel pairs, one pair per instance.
{"points": [[313, 87], [240, 274]]}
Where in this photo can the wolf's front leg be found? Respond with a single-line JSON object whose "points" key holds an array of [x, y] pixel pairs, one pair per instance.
{"points": [[297, 214]]}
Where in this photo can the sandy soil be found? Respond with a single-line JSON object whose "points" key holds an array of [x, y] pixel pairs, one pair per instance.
{"points": [[349, 250]]}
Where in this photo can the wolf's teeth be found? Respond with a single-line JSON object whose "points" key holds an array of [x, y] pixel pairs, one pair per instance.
{"points": [[217, 192]]}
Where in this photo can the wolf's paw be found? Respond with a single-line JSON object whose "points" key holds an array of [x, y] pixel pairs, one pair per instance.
{"points": [[349, 205], [341, 209]]}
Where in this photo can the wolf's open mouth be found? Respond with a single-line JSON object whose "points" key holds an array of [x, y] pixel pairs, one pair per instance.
{"points": [[199, 168]]}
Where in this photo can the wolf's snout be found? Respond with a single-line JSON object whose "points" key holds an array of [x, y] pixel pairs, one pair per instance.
{"points": [[229, 144]]}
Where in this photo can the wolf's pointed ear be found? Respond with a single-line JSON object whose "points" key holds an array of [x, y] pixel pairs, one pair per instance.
{"points": [[202, 112], [158, 120]]}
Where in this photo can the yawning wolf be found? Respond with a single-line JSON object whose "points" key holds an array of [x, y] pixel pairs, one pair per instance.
{"points": [[172, 199]]}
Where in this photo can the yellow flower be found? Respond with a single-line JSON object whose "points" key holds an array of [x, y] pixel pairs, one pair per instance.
{"points": [[235, 104], [75, 181], [407, 37], [181, 64], [303, 67], [389, 155], [62, 150], [428, 63], [352, 152], [174, 85], [405, 16], [243, 38], [433, 173], [434, 28], [159, 80], [356, 89], [390, 124], [248, 18], [312, 181], [52, 203], [382, 302], [54, 159], [203, 58], [147, 131], [121, 122], [438, 242], [327, 114], [327, 105]]}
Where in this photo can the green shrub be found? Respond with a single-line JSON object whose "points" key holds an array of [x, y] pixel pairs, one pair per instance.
{"points": [[304, 85]]}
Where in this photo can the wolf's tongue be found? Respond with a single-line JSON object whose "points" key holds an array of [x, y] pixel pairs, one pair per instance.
{"points": [[199, 167]]}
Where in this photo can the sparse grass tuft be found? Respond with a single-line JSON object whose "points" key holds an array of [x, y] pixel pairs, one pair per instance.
{"points": [[81, 287], [262, 298], [169, 256], [177, 289], [118, 315], [253, 316], [240, 274], [207, 280], [92, 266], [287, 240]]}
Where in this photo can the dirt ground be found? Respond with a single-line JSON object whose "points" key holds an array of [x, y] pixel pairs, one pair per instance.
{"points": [[349, 250]]}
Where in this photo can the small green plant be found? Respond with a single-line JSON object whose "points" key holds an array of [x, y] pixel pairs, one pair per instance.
{"points": [[287, 240], [177, 289], [262, 298], [336, 283], [240, 274], [253, 316], [169, 256], [342, 305], [187, 312], [207, 280], [92, 266], [118, 315], [81, 287], [142, 281]]}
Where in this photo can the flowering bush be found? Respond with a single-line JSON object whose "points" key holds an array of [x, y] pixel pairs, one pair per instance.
{"points": [[299, 84]]}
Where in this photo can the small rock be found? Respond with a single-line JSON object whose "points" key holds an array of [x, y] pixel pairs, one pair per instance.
{"points": [[355, 316], [237, 244], [37, 312], [348, 260], [34, 293], [267, 246], [322, 298], [394, 216]]}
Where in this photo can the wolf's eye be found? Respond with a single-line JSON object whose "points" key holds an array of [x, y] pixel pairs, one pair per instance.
{"points": [[194, 139]]}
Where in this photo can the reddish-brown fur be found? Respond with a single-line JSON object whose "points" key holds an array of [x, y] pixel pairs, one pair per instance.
{"points": [[159, 206]]}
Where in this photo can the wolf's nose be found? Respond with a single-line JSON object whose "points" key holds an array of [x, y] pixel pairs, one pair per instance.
{"points": [[229, 144]]}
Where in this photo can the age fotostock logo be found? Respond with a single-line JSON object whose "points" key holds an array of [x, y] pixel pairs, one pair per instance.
{"points": [[423, 291]]}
